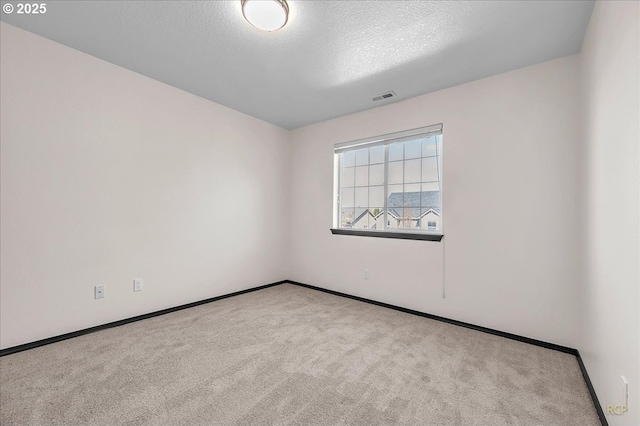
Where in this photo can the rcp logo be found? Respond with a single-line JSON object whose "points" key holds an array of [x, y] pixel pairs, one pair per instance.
{"points": [[618, 409]]}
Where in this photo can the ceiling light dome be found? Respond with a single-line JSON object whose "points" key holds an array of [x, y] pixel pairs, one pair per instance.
{"points": [[268, 15]]}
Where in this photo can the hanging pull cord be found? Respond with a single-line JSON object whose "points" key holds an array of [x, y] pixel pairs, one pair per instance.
{"points": [[444, 294]]}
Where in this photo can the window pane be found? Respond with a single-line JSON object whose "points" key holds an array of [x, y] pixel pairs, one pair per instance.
{"points": [[412, 195], [376, 174], [346, 197], [348, 176], [348, 159], [412, 171], [362, 175], [396, 151], [430, 186], [431, 199], [365, 221], [409, 217], [376, 155], [395, 199], [429, 220], [430, 169], [346, 217], [412, 149], [376, 221], [396, 172], [361, 220], [376, 196], [362, 157], [362, 197], [429, 147]]}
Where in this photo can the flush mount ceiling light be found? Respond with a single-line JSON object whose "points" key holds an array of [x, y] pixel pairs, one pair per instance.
{"points": [[268, 15]]}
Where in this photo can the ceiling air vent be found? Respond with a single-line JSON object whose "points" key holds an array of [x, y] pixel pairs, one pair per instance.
{"points": [[384, 96]]}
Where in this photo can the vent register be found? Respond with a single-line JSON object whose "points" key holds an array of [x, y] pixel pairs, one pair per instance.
{"points": [[386, 95]]}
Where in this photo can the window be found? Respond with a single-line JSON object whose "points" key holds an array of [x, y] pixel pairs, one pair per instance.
{"points": [[390, 185]]}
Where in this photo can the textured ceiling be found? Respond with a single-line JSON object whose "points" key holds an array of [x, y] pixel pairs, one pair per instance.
{"points": [[330, 59]]}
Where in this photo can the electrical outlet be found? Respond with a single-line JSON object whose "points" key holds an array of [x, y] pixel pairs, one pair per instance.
{"points": [[137, 284], [366, 274], [625, 386], [98, 292]]}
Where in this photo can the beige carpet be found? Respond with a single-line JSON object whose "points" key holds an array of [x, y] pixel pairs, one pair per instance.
{"points": [[290, 355]]}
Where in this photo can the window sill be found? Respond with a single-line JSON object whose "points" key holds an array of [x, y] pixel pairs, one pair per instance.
{"points": [[389, 234]]}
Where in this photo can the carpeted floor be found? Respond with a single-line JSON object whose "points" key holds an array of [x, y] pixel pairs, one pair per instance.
{"points": [[291, 355]]}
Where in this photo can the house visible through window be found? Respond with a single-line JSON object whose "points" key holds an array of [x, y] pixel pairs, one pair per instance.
{"points": [[390, 183]]}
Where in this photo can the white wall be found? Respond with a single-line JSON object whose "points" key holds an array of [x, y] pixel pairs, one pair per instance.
{"points": [[509, 206], [610, 65], [108, 176]]}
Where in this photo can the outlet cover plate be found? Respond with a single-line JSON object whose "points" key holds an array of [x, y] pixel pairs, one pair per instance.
{"points": [[98, 292], [137, 284]]}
